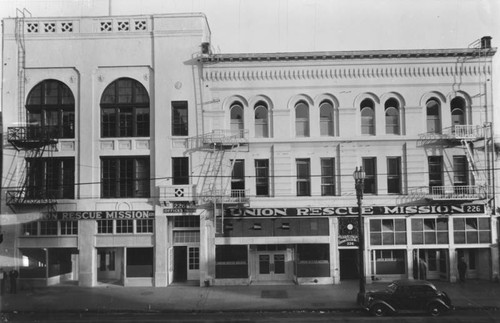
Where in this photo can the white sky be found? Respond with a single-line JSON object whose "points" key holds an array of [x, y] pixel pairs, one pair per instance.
{"points": [[310, 25]]}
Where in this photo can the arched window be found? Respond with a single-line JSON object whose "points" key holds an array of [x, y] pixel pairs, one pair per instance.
{"points": [[261, 120], [125, 109], [457, 111], [392, 117], [51, 110], [367, 117], [237, 121], [326, 119], [302, 119], [433, 116]]}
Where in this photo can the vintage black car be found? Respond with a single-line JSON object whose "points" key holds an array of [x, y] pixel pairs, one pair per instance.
{"points": [[407, 296]]}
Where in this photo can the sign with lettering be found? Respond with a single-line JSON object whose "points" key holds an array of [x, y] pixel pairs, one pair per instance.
{"points": [[99, 215], [348, 231], [353, 210]]}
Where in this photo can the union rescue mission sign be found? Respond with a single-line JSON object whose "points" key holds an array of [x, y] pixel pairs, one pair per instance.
{"points": [[350, 211], [99, 215]]}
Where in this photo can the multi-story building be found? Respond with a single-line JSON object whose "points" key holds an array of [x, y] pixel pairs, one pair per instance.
{"points": [[134, 155]]}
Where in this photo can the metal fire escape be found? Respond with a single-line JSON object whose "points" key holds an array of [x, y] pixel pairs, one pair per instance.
{"points": [[477, 143], [31, 141], [221, 149]]}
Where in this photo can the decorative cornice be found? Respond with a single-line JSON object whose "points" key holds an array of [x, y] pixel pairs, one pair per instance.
{"points": [[319, 72], [343, 55]]}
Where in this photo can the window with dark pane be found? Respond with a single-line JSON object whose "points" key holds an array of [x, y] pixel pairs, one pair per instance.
{"points": [[370, 168], [303, 177], [50, 111], [179, 118], [394, 175], [125, 109], [125, 177], [262, 177], [180, 170], [327, 176]]}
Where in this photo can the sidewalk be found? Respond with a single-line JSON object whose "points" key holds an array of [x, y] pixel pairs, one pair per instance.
{"points": [[180, 298]]}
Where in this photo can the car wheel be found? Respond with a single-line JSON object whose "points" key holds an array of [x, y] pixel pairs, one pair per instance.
{"points": [[378, 310], [435, 309]]}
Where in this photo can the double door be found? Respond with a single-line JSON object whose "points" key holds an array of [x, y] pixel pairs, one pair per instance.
{"points": [[272, 266]]}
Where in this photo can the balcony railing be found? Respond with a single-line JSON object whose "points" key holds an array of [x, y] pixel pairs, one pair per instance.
{"points": [[456, 132], [465, 192], [26, 197], [226, 196], [220, 137]]}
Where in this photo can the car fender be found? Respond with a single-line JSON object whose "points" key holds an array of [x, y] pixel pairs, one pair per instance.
{"points": [[389, 306], [437, 300]]}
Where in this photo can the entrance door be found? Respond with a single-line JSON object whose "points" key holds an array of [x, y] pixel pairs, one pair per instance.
{"points": [[436, 264], [348, 264], [271, 266], [180, 263], [110, 265]]}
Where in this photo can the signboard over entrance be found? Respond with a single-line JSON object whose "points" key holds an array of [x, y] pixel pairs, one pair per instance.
{"points": [[99, 215], [353, 210]]}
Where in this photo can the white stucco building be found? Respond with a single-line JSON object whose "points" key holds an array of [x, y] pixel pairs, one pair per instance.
{"points": [[133, 155]]}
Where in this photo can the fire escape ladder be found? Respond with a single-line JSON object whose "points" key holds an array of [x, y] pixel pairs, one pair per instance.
{"points": [[472, 164]]}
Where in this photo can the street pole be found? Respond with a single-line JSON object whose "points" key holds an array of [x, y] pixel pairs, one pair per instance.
{"points": [[359, 178]]}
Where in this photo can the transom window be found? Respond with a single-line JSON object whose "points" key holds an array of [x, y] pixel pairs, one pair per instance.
{"points": [[387, 231], [125, 109], [471, 230], [429, 231], [51, 110]]}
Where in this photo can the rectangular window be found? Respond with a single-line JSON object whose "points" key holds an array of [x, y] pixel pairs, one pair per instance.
{"points": [[194, 258], [30, 228], [124, 226], [186, 222], [179, 118], [262, 177], [144, 226], [435, 171], [180, 170], [48, 228], [69, 227], [471, 230], [429, 231], [327, 176], [105, 226], [394, 175], [388, 231], [186, 236], [303, 177], [370, 167], [124, 177], [124, 122], [50, 178], [460, 177], [238, 178]]}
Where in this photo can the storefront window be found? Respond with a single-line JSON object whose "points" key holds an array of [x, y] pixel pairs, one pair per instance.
{"points": [[140, 262], [313, 260], [471, 230], [387, 231], [429, 231], [231, 261], [389, 262]]}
